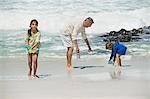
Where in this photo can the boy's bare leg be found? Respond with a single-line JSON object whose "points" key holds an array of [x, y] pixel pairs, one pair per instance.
{"points": [[118, 66], [35, 57], [30, 64], [69, 58], [118, 60]]}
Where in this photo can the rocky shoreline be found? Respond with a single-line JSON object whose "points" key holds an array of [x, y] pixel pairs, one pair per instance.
{"points": [[124, 35]]}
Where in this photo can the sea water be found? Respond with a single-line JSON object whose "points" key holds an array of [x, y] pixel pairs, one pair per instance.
{"points": [[108, 15]]}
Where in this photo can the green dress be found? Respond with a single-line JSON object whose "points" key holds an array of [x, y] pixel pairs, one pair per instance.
{"points": [[34, 39]]}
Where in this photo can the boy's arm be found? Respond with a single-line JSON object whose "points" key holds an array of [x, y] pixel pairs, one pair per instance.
{"points": [[114, 54], [111, 55]]}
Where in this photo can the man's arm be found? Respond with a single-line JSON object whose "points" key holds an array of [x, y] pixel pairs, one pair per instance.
{"points": [[74, 38], [87, 43], [76, 46]]}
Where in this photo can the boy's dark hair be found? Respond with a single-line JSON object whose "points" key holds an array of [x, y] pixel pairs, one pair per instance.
{"points": [[29, 31], [109, 45], [89, 18]]}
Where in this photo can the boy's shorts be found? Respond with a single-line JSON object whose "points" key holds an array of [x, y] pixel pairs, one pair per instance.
{"points": [[67, 40]]}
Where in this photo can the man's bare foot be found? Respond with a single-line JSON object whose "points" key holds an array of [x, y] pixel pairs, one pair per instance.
{"points": [[69, 67]]}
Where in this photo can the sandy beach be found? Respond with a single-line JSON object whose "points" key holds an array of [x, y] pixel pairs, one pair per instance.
{"points": [[91, 78]]}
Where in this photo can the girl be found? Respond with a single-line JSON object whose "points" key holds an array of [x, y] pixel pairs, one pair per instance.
{"points": [[32, 41]]}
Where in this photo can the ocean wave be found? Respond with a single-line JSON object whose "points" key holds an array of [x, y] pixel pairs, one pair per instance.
{"points": [[51, 18], [52, 46], [16, 15]]}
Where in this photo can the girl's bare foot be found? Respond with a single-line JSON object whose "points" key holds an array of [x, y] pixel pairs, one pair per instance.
{"points": [[36, 76], [29, 76], [30, 72]]}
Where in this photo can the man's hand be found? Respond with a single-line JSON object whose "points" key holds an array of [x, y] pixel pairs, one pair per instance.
{"points": [[90, 50], [76, 46], [88, 45], [77, 50]]}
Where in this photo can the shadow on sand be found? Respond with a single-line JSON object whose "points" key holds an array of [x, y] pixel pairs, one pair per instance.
{"points": [[84, 67]]}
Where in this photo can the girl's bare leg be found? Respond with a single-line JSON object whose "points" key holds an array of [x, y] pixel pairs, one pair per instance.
{"points": [[30, 64], [35, 57]]}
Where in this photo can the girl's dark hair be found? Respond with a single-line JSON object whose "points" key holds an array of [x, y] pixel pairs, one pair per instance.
{"points": [[29, 31]]}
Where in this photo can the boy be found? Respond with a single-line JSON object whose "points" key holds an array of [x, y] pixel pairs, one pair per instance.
{"points": [[117, 50]]}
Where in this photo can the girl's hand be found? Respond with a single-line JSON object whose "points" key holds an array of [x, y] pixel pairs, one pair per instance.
{"points": [[31, 47], [27, 47]]}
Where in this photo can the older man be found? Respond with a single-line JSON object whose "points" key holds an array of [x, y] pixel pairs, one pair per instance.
{"points": [[69, 37]]}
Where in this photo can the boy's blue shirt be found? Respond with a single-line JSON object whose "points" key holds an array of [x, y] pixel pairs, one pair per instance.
{"points": [[117, 49]]}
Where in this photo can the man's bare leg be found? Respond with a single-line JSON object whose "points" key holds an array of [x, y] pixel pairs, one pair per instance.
{"points": [[69, 58]]}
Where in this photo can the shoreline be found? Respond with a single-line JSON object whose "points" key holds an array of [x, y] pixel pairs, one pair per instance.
{"points": [[95, 81], [135, 66]]}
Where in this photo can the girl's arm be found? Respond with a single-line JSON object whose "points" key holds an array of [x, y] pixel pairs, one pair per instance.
{"points": [[26, 39], [37, 41]]}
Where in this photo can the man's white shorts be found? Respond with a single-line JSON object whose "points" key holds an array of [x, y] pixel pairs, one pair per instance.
{"points": [[67, 40]]}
